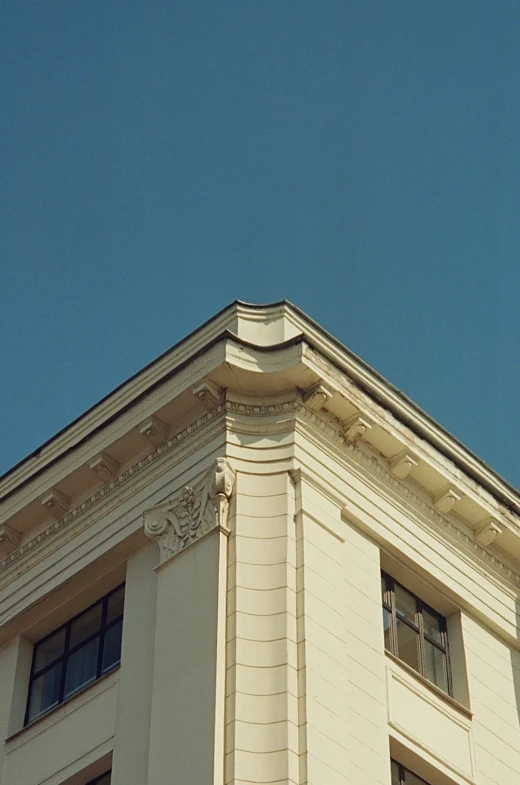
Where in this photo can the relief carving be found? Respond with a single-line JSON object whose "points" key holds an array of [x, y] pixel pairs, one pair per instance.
{"points": [[192, 514]]}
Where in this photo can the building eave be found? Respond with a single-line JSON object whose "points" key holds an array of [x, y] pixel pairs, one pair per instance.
{"points": [[233, 322]]}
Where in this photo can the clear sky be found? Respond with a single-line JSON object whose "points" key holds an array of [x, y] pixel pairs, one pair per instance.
{"points": [[360, 158]]}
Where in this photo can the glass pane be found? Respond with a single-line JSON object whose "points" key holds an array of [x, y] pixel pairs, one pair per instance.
{"points": [[85, 625], [115, 604], [45, 692], [395, 773], [81, 668], [435, 663], [49, 650], [387, 623], [112, 646], [408, 645], [383, 587], [405, 604], [432, 626]]}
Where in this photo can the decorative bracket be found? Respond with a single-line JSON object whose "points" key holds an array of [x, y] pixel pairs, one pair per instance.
{"points": [[104, 466], [488, 532], [446, 499], [155, 430], [356, 428], [56, 503], [402, 465], [208, 393], [181, 522], [317, 396], [9, 539]]}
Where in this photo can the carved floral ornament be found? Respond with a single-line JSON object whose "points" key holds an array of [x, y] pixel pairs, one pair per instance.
{"points": [[184, 520]]}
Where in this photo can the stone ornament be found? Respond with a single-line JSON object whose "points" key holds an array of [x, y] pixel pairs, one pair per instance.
{"points": [[181, 522], [9, 539], [445, 500], [488, 532], [155, 430], [56, 503], [356, 428], [208, 393], [104, 466], [317, 396], [402, 465]]}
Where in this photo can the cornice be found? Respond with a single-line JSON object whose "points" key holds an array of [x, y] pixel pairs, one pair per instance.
{"points": [[376, 467], [101, 494], [331, 358], [265, 328], [288, 409]]}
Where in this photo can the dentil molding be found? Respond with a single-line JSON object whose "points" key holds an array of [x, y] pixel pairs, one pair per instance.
{"points": [[181, 522]]}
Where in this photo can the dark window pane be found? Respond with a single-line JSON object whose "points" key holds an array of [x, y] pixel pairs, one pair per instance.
{"points": [[49, 650], [383, 587], [112, 646], [405, 604], [432, 626], [45, 692], [435, 662], [115, 604], [407, 645], [395, 773], [81, 668], [85, 625], [387, 623]]}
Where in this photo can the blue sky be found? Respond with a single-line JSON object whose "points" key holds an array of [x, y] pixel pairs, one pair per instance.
{"points": [[362, 159]]}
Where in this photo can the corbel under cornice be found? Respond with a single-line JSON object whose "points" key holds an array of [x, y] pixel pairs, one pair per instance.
{"points": [[488, 532], [9, 539], [208, 393], [446, 499], [56, 503], [401, 465], [104, 466], [357, 427], [155, 430], [317, 396]]}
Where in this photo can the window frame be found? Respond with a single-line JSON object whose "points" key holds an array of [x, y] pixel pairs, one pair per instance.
{"points": [[68, 651], [389, 604], [402, 771]]}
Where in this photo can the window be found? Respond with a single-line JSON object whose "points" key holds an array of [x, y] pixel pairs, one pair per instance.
{"points": [[75, 655], [402, 776], [103, 780], [415, 633]]}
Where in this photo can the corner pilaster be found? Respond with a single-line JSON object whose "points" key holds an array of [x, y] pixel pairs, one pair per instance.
{"points": [[188, 693]]}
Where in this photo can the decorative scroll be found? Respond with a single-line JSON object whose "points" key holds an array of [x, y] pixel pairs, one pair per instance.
{"points": [[192, 514]]}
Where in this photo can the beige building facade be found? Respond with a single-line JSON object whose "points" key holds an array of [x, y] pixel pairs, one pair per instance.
{"points": [[258, 562]]}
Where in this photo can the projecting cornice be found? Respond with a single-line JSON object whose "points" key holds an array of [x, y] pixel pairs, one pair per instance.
{"points": [[263, 351], [197, 510]]}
